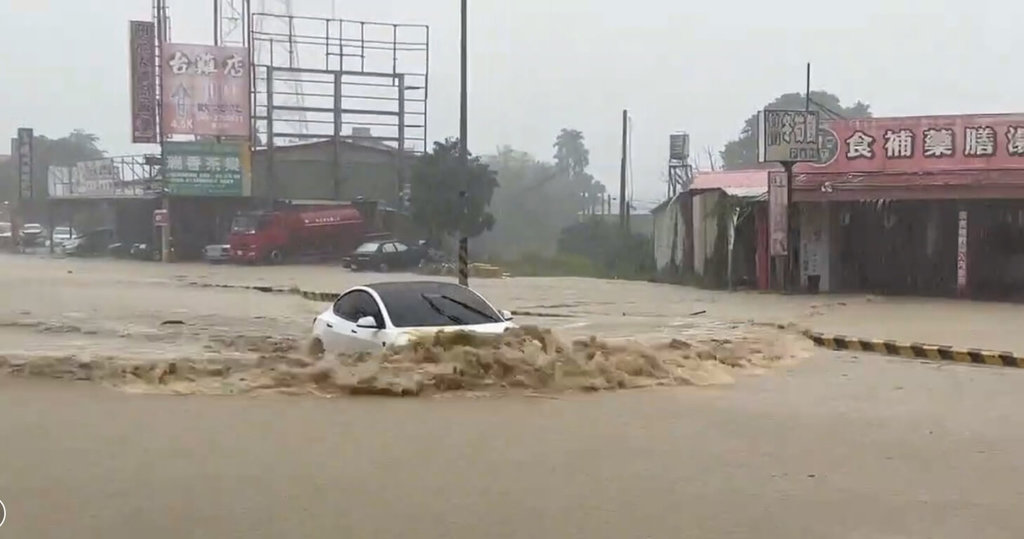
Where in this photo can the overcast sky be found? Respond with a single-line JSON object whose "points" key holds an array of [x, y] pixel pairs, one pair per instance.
{"points": [[539, 65]]}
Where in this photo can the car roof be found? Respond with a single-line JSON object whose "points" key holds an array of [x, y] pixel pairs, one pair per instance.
{"points": [[413, 286]]}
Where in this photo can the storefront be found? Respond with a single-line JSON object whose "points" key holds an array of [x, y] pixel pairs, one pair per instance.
{"points": [[918, 205]]}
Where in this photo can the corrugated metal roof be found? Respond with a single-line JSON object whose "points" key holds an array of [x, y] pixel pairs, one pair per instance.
{"points": [[746, 192], [730, 178]]}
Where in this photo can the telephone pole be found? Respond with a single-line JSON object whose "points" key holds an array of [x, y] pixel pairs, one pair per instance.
{"points": [[464, 144], [623, 204]]}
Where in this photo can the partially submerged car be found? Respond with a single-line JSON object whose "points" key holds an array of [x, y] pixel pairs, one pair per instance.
{"points": [[384, 256], [375, 316], [32, 235], [62, 234], [6, 239], [92, 243]]}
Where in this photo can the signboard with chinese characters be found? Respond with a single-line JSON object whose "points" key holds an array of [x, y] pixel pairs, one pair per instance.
{"points": [[205, 90], [207, 169], [25, 157], [101, 178], [142, 43], [925, 144], [778, 216], [961, 253], [787, 136]]}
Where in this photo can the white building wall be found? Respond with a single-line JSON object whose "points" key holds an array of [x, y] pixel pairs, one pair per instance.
{"points": [[815, 244], [669, 226]]}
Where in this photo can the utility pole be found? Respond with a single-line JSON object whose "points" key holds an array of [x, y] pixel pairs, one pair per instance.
{"points": [[622, 172], [161, 39], [464, 143]]}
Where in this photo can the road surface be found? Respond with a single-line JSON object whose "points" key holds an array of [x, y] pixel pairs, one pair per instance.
{"points": [[850, 446]]}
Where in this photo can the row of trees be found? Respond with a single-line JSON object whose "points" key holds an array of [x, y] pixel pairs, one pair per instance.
{"points": [[515, 202]]}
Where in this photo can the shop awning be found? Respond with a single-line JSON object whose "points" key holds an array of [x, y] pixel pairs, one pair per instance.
{"points": [[966, 184]]}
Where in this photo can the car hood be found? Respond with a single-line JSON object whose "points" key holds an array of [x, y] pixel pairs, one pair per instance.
{"points": [[404, 335]]}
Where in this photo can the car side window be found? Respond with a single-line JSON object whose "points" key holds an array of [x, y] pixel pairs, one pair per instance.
{"points": [[355, 305], [400, 247], [389, 248]]}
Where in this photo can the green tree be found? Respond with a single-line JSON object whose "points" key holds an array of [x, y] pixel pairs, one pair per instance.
{"points": [[571, 153], [741, 153], [532, 206], [572, 156], [449, 198]]}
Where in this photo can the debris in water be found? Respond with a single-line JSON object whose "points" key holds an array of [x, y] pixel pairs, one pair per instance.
{"points": [[530, 359]]}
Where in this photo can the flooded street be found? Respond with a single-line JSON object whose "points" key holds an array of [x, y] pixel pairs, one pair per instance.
{"points": [[830, 445]]}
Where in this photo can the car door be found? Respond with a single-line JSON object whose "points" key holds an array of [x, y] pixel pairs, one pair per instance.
{"points": [[342, 334], [370, 339], [402, 255], [389, 255]]}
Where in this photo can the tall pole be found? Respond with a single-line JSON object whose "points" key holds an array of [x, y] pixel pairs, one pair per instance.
{"points": [[807, 88], [622, 171], [161, 39], [464, 143]]}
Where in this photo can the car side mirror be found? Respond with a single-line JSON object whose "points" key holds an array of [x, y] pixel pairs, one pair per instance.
{"points": [[505, 315], [367, 322]]}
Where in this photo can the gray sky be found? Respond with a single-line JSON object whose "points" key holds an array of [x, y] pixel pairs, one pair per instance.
{"points": [[539, 65]]}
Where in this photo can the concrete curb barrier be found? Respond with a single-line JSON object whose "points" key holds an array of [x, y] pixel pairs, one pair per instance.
{"points": [[915, 350]]}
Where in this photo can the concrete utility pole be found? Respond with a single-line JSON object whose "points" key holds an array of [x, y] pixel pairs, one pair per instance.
{"points": [[464, 145], [623, 204]]}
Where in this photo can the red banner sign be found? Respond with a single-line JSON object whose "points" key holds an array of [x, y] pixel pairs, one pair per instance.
{"points": [[921, 144], [143, 81], [778, 214], [161, 218]]}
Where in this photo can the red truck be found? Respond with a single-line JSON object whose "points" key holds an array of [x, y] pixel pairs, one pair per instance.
{"points": [[273, 236]]}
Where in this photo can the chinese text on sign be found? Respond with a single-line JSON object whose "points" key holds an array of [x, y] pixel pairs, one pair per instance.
{"points": [[787, 135], [205, 90]]}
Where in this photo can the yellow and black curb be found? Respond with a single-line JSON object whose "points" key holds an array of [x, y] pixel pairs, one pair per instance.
{"points": [[915, 350], [841, 343]]}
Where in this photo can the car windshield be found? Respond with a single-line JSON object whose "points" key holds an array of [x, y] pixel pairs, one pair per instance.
{"points": [[32, 228], [368, 248], [429, 304], [244, 224]]}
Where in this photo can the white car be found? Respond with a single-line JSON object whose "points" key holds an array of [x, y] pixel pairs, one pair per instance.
{"points": [[375, 316]]}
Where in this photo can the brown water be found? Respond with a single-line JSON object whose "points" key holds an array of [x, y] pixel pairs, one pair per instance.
{"points": [[832, 446]]}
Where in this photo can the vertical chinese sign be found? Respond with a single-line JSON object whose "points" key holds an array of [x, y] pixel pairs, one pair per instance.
{"points": [[25, 157], [142, 42], [961, 254], [778, 214], [205, 90], [208, 169]]}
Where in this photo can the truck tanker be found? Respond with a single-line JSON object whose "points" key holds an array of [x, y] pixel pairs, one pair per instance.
{"points": [[273, 236]]}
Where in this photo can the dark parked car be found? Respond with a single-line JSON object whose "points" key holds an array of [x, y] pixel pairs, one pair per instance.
{"points": [[92, 243], [384, 256]]}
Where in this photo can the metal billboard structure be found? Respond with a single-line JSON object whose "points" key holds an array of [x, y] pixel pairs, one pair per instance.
{"points": [[335, 78], [322, 78]]}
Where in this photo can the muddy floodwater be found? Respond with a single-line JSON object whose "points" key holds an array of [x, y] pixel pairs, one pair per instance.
{"points": [[140, 400]]}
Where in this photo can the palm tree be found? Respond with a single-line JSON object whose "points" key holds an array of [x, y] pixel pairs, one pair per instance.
{"points": [[571, 153]]}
